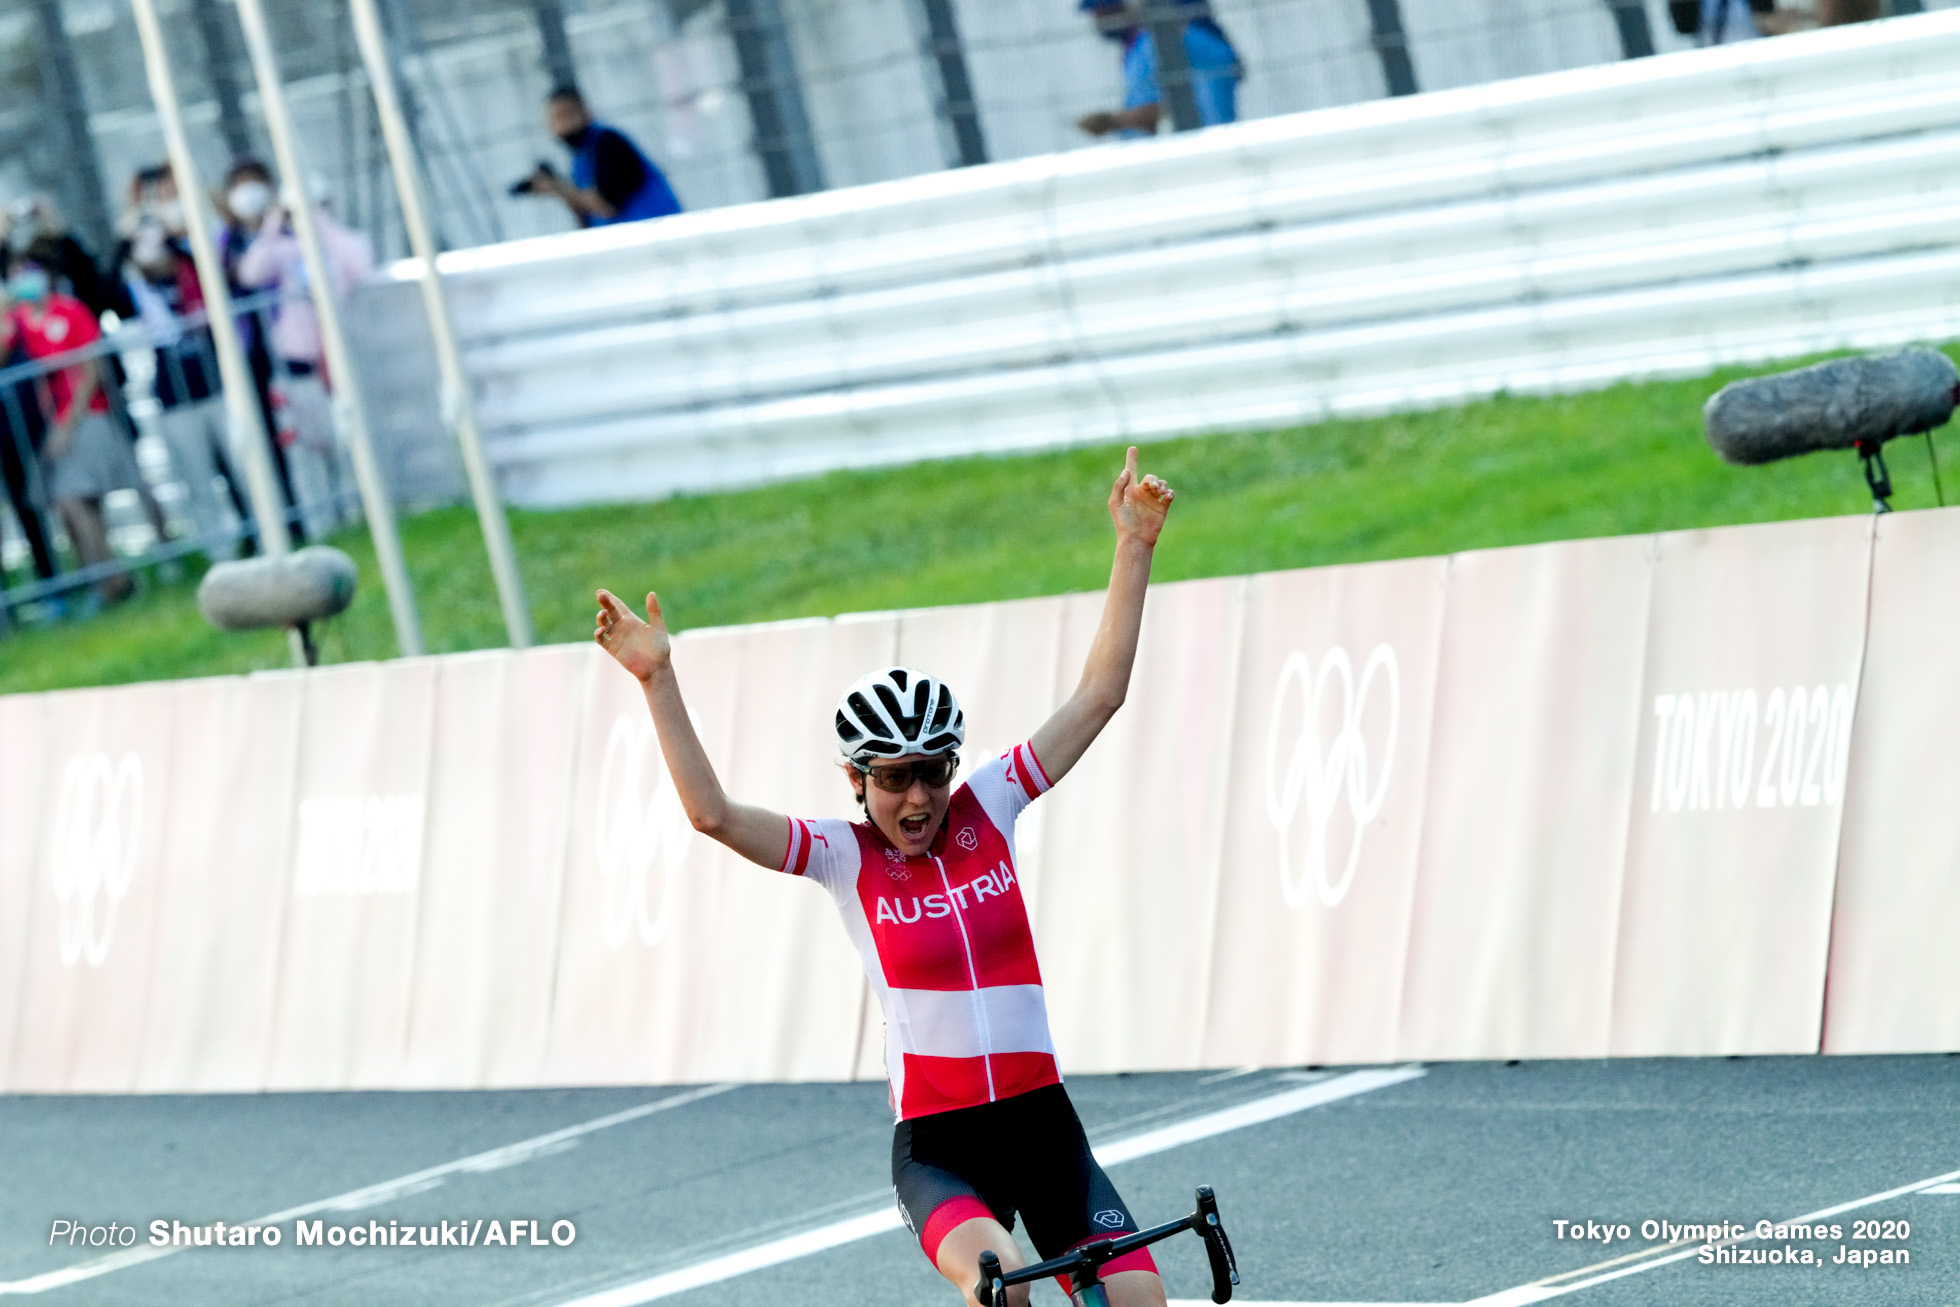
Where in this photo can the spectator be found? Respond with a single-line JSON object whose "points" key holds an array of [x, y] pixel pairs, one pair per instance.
{"points": [[300, 400], [612, 178], [84, 456], [1824, 13], [160, 288], [1719, 22], [35, 224], [1215, 70], [1835, 13], [1724, 22], [23, 429], [35, 220], [247, 195]]}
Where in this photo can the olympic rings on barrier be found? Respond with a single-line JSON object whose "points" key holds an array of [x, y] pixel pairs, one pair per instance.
{"points": [[1320, 777], [97, 818], [637, 824]]}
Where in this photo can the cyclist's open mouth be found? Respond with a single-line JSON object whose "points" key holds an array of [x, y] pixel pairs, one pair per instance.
{"points": [[914, 828]]}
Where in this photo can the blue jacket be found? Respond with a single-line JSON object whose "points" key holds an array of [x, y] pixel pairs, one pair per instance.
{"points": [[654, 199]]}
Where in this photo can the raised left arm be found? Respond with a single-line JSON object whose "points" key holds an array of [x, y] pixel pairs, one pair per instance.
{"points": [[1138, 506]]}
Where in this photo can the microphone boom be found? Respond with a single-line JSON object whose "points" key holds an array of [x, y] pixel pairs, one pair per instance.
{"points": [[1849, 403]]}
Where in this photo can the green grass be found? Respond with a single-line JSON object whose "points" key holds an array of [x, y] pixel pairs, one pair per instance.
{"points": [[1512, 470]]}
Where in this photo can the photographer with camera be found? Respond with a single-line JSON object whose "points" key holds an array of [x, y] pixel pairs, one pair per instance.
{"points": [[612, 179]]}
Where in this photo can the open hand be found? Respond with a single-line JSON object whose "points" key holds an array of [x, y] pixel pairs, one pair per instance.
{"points": [[642, 648], [1139, 506]]}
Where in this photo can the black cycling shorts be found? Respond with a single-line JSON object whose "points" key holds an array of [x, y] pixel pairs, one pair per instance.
{"points": [[1024, 1155]]}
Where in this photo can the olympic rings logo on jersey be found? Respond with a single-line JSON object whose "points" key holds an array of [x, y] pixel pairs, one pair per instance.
{"points": [[639, 822], [1317, 778], [97, 818]]}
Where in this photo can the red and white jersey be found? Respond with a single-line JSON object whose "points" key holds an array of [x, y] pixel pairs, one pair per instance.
{"points": [[945, 939]]}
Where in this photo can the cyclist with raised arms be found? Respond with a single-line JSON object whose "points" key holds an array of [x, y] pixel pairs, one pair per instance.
{"points": [[927, 887]]}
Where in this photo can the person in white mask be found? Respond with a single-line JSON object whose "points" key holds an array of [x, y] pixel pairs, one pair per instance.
{"points": [[302, 410]]}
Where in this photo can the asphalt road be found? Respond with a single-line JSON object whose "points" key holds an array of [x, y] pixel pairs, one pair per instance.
{"points": [[1439, 1189]]}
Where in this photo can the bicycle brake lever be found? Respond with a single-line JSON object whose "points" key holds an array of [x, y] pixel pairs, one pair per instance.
{"points": [[1218, 1248], [990, 1285]]}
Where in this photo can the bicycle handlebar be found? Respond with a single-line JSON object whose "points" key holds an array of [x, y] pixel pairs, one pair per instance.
{"points": [[1084, 1264]]}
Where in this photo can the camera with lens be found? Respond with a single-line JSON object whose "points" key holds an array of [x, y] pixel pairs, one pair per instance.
{"points": [[524, 186]]}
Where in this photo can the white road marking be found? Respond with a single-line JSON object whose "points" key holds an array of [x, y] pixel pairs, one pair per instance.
{"points": [[1942, 1189], [885, 1219], [496, 1159], [1259, 1110]]}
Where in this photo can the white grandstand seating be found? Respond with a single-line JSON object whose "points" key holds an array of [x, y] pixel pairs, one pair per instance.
{"points": [[1648, 218]]}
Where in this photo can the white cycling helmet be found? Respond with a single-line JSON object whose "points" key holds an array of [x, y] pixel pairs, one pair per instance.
{"points": [[898, 711]]}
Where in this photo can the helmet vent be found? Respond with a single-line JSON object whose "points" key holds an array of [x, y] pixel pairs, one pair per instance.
{"points": [[896, 711]]}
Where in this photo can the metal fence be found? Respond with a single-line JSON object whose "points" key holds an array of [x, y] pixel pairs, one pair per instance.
{"points": [[737, 100], [181, 485]]}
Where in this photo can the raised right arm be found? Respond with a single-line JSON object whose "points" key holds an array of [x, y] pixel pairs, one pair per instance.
{"points": [[644, 649]]}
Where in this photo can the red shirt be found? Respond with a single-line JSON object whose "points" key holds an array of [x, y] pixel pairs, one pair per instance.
{"points": [[944, 938], [64, 323]]}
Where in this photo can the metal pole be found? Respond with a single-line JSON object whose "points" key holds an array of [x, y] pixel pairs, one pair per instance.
{"points": [[223, 76], [247, 426], [1636, 35], [466, 182], [775, 97], [955, 102], [559, 65], [1166, 22], [350, 414], [1392, 46], [457, 403], [84, 171]]}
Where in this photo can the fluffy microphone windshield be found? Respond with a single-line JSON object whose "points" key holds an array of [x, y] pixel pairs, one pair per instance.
{"points": [[1832, 405], [305, 586]]}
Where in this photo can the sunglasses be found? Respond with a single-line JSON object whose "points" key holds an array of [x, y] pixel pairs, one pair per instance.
{"points": [[896, 778]]}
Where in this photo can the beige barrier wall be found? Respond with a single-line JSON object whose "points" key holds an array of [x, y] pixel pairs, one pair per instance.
{"points": [[24, 812], [493, 868], [1565, 801], [1327, 775], [676, 960], [1895, 941], [354, 877], [1517, 897], [233, 773], [105, 789], [1128, 845], [1754, 642]]}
